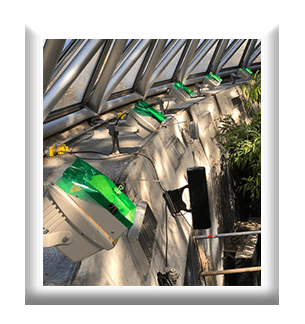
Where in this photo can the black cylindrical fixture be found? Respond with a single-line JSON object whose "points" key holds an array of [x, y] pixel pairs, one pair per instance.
{"points": [[199, 199]]}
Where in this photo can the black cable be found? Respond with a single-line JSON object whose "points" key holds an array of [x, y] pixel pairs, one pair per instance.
{"points": [[123, 114], [95, 152], [84, 139], [166, 236], [105, 159], [166, 107]]}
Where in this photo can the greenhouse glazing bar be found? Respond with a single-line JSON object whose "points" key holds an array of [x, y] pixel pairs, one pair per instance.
{"points": [[143, 86], [122, 71], [62, 84], [117, 58], [112, 61], [51, 53], [203, 52], [218, 54], [189, 54], [228, 55]]}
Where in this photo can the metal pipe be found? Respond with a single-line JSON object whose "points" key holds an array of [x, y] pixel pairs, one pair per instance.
{"points": [[228, 55], [182, 76], [254, 55], [122, 71], [155, 56], [62, 123], [129, 49], [226, 235], [230, 271], [221, 47], [204, 51], [113, 59], [168, 48], [67, 55], [166, 60], [99, 66], [51, 53], [62, 84], [247, 56]]}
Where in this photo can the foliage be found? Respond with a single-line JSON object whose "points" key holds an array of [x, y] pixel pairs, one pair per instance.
{"points": [[252, 89], [240, 143]]}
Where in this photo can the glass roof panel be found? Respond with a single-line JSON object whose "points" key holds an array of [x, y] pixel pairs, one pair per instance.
{"points": [[76, 91], [204, 63], [258, 59], [127, 82], [168, 72], [235, 59]]}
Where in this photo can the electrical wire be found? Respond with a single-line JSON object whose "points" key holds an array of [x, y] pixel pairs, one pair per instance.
{"points": [[90, 152], [84, 139], [166, 236], [166, 107], [152, 163], [95, 152]]}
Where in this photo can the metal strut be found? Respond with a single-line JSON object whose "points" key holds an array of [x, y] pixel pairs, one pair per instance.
{"points": [[226, 235]]}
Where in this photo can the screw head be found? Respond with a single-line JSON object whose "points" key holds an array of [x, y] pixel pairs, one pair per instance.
{"points": [[65, 239]]}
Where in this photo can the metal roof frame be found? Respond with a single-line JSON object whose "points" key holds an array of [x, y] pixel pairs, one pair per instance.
{"points": [[63, 64]]}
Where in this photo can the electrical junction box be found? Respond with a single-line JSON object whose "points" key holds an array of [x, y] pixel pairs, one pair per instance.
{"points": [[85, 212], [244, 73], [180, 93], [211, 81], [145, 118]]}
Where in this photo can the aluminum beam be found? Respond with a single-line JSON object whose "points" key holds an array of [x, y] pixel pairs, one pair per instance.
{"points": [[62, 123], [206, 47], [154, 59], [62, 84], [248, 52], [129, 49], [123, 70], [51, 53], [218, 54], [112, 61], [229, 54], [254, 56], [190, 50], [165, 61]]}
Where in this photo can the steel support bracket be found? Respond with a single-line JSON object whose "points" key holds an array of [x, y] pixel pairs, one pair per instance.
{"points": [[57, 238], [114, 130]]}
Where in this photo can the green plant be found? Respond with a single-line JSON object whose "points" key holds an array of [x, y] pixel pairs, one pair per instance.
{"points": [[240, 143], [252, 89]]}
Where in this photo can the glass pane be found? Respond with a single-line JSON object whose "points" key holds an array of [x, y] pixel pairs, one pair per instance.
{"points": [[204, 63], [128, 81], [200, 42], [68, 41], [76, 91], [235, 59], [257, 60], [168, 72]]}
